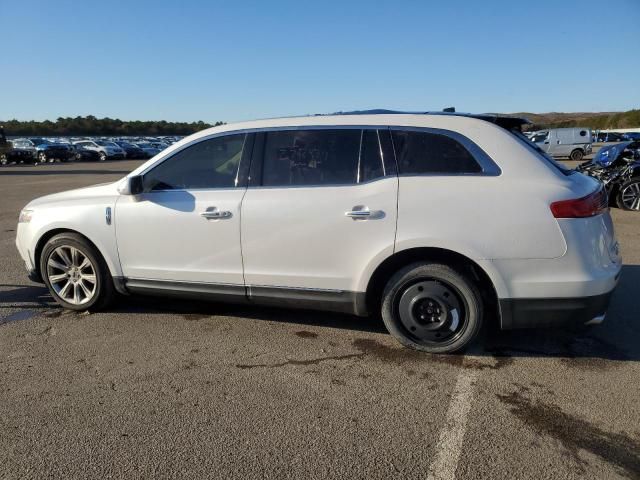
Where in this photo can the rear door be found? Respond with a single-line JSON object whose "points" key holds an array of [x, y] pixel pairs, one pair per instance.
{"points": [[320, 207]]}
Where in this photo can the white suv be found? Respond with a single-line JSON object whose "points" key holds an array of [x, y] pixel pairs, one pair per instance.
{"points": [[437, 221]]}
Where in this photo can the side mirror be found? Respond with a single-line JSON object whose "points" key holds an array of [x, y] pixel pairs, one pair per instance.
{"points": [[132, 186]]}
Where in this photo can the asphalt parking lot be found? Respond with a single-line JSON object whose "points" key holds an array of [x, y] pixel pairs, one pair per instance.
{"points": [[177, 389]]}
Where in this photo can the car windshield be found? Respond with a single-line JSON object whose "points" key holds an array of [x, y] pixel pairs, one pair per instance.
{"points": [[40, 141], [106, 144], [541, 153]]}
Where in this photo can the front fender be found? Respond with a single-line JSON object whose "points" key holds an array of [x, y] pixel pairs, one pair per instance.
{"points": [[87, 220]]}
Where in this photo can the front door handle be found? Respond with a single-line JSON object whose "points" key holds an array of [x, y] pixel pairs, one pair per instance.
{"points": [[358, 214], [212, 213]]}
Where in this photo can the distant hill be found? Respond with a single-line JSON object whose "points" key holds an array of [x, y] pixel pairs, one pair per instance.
{"points": [[596, 121], [593, 120]]}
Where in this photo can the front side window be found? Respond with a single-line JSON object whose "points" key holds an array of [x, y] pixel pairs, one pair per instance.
{"points": [[539, 137], [210, 163], [321, 157], [431, 153]]}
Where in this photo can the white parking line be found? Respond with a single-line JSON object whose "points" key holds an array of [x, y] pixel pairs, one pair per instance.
{"points": [[449, 445]]}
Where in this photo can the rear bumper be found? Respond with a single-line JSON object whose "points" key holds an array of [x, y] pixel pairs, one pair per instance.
{"points": [[553, 312]]}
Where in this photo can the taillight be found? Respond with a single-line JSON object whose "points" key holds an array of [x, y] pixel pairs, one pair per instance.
{"points": [[593, 204]]}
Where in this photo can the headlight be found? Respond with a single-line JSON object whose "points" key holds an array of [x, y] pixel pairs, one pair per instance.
{"points": [[25, 216]]}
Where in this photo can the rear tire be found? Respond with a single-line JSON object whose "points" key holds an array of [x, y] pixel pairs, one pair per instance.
{"points": [[577, 155], [432, 308], [75, 273]]}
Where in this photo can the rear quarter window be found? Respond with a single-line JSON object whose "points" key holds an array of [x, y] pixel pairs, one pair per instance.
{"points": [[420, 153]]}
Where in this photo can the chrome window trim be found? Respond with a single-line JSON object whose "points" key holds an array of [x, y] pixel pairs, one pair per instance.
{"points": [[362, 128], [191, 144], [321, 185], [488, 166], [261, 130]]}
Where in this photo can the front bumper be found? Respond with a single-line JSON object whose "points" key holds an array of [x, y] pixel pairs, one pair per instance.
{"points": [[553, 312]]}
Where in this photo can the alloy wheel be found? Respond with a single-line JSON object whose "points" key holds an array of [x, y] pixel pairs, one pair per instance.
{"points": [[630, 196], [71, 275]]}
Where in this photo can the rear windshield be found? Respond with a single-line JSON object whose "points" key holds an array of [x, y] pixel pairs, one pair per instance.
{"points": [[541, 153]]}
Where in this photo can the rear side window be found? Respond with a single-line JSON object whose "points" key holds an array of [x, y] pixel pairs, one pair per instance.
{"points": [[210, 163], [431, 153], [321, 157]]}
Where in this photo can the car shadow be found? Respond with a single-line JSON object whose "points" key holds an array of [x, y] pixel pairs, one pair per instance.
{"points": [[616, 339]]}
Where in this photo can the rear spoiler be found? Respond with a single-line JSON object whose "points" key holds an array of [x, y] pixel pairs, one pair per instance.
{"points": [[504, 121]]}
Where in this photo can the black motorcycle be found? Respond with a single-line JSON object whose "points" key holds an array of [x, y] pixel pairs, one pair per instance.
{"points": [[618, 168]]}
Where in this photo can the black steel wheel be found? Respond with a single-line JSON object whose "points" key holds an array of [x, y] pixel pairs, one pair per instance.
{"points": [[432, 308]]}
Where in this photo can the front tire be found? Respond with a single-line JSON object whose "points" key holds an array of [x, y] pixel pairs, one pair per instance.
{"points": [[432, 308], [75, 273], [628, 197], [41, 158], [577, 155], [102, 157]]}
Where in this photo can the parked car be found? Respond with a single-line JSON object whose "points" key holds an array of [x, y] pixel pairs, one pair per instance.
{"points": [[573, 143], [131, 151], [106, 150], [10, 154], [85, 154], [39, 150], [605, 137], [149, 149], [634, 136], [618, 168], [14, 153], [438, 222]]}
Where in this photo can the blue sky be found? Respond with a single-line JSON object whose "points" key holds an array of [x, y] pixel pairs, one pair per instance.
{"points": [[235, 60]]}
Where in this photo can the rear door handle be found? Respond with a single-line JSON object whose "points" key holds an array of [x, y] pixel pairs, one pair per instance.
{"points": [[362, 212], [212, 213]]}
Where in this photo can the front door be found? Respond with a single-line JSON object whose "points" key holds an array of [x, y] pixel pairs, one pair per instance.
{"points": [[322, 208], [185, 227]]}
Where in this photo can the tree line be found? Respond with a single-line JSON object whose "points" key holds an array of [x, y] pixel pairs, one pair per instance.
{"points": [[90, 125]]}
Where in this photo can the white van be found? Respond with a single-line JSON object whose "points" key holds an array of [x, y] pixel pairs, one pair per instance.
{"points": [[573, 143]]}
